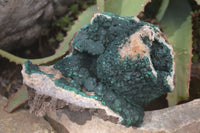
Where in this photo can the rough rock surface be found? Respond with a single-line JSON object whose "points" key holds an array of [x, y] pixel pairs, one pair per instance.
{"points": [[183, 118], [21, 21], [21, 121]]}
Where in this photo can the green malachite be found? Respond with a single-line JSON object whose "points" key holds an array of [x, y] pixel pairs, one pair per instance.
{"points": [[124, 84]]}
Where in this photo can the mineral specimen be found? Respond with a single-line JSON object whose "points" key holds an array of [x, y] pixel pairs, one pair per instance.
{"points": [[118, 64]]}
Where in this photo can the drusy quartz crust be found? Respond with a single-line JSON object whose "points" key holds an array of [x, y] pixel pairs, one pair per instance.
{"points": [[120, 61]]}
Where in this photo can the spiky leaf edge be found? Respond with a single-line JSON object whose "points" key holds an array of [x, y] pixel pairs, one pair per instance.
{"points": [[83, 19]]}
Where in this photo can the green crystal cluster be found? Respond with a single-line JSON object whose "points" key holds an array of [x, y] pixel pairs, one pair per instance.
{"points": [[124, 85]]}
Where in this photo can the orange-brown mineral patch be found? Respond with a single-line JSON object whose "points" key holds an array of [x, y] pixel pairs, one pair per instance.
{"points": [[135, 45]]}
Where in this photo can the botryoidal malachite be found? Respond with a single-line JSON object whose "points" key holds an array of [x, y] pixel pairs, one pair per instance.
{"points": [[125, 62]]}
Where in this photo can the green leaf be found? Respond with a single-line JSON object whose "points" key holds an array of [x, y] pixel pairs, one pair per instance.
{"points": [[162, 9], [19, 98], [176, 23], [100, 5], [122, 7], [83, 19], [198, 2]]}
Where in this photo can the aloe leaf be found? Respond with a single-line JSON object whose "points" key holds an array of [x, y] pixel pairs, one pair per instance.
{"points": [[162, 9], [198, 2], [176, 23], [100, 5], [122, 7], [83, 19], [114, 6], [19, 98]]}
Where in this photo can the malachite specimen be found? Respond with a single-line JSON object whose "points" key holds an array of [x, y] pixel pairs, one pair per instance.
{"points": [[125, 63]]}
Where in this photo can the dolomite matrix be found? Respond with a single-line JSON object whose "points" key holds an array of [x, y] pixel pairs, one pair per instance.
{"points": [[118, 64]]}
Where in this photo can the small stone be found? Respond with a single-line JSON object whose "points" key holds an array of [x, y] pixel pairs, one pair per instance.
{"points": [[21, 121]]}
